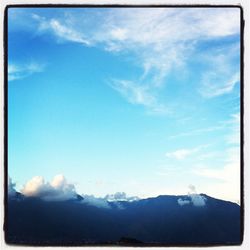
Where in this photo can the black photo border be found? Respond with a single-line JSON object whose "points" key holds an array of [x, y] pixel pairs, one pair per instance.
{"points": [[5, 43]]}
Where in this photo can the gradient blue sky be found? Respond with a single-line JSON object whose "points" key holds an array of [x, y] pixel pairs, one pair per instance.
{"points": [[145, 101]]}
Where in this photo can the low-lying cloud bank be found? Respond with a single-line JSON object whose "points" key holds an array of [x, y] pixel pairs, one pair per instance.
{"points": [[59, 189], [105, 202], [95, 201], [56, 190], [120, 196]]}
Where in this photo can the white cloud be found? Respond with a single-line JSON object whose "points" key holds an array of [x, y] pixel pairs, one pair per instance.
{"points": [[223, 71], [105, 202], [57, 190], [227, 177], [181, 154], [119, 34], [193, 198], [234, 136], [138, 94], [182, 202], [19, 71], [163, 39], [95, 201], [109, 199], [132, 92], [229, 172], [160, 41], [66, 33], [198, 131], [120, 196], [197, 199], [61, 31], [216, 84]]}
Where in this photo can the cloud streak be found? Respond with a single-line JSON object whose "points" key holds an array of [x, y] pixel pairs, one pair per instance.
{"points": [[59, 30], [20, 71], [198, 131], [223, 71], [226, 177], [159, 41], [139, 95], [182, 154]]}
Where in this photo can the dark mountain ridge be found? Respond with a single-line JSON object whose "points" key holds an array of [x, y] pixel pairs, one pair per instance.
{"points": [[159, 220]]}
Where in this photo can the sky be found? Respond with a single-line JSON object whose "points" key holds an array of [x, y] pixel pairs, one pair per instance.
{"points": [[144, 101]]}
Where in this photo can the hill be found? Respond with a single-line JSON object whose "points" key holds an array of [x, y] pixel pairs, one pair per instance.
{"points": [[167, 220]]}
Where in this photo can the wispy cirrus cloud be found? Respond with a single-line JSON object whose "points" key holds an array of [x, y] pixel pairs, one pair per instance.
{"points": [[20, 71], [234, 136], [198, 131], [223, 72], [227, 176], [161, 41], [216, 85], [232, 124], [61, 31], [139, 94], [183, 153]]}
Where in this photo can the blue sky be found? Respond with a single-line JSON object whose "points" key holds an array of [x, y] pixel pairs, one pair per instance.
{"points": [[145, 101]]}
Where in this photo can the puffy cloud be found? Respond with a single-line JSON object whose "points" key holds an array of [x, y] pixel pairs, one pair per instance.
{"points": [[192, 189], [193, 198], [11, 187], [57, 190], [197, 199]]}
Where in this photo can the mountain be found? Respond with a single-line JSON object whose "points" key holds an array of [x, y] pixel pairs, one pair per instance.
{"points": [[163, 220]]}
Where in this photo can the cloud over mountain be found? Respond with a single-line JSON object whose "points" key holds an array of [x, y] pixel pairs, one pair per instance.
{"points": [[104, 202], [183, 202], [56, 190], [193, 198], [95, 201], [11, 187], [59, 189], [120, 196]]}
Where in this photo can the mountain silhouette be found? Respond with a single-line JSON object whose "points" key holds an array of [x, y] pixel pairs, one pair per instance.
{"points": [[153, 221]]}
